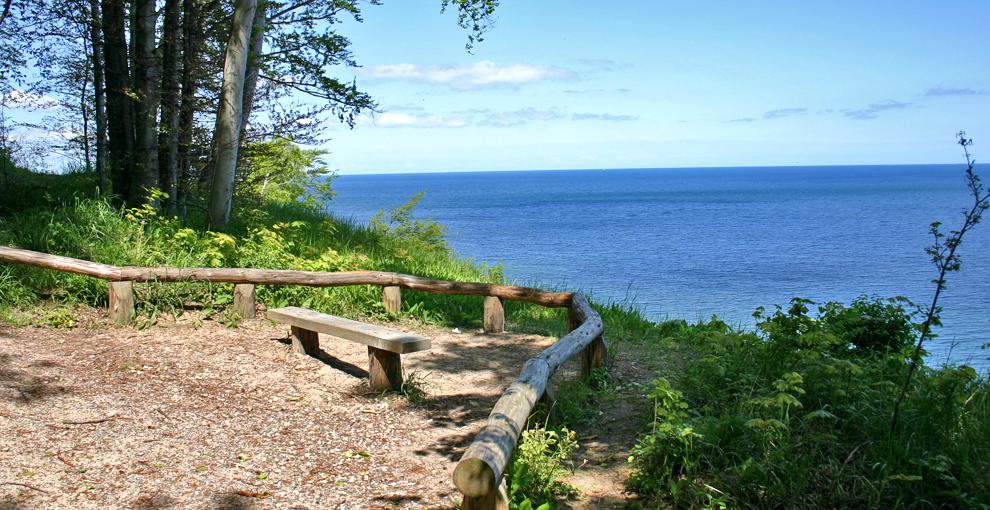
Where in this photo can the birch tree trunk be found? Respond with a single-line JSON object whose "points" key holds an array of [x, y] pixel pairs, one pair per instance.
{"points": [[251, 77], [226, 135]]}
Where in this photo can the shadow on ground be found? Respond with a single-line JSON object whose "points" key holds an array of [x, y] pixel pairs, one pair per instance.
{"points": [[19, 385]]}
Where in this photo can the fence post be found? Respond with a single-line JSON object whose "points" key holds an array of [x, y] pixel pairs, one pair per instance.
{"points": [[593, 356], [495, 500], [572, 320], [244, 300], [392, 299], [121, 305], [494, 315]]}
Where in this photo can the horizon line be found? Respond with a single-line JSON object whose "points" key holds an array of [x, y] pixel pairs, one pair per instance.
{"points": [[420, 172]]}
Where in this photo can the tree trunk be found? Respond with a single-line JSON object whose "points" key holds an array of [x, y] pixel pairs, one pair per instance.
{"points": [[251, 77], [99, 98], [84, 110], [168, 136], [190, 50], [120, 125], [148, 96], [226, 135]]}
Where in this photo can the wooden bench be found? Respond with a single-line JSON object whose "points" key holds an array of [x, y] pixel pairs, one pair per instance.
{"points": [[384, 345]]}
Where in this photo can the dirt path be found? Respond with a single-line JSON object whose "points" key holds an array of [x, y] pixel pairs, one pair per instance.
{"points": [[192, 414], [195, 415], [606, 444]]}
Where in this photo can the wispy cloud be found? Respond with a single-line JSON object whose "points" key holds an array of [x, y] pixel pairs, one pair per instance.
{"points": [[603, 116], [478, 75], [484, 117], [402, 119], [783, 112], [873, 110], [519, 117], [946, 91], [405, 108], [597, 91], [744, 119], [603, 64]]}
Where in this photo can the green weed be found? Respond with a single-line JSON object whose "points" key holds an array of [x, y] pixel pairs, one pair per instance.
{"points": [[533, 475]]}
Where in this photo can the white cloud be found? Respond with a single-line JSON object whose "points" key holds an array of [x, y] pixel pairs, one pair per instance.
{"points": [[603, 116], [28, 100], [477, 75]]}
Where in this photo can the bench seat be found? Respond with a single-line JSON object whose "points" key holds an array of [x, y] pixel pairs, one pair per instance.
{"points": [[384, 345]]}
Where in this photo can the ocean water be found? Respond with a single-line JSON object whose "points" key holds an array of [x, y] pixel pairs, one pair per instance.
{"points": [[690, 243]]}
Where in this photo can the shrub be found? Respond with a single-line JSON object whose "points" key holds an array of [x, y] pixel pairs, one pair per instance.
{"points": [[871, 325], [533, 475], [798, 416]]}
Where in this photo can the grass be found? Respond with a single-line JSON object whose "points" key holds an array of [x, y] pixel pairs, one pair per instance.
{"points": [[794, 415]]}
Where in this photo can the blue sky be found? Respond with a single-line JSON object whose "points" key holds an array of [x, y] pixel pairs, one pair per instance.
{"points": [[559, 85], [563, 85]]}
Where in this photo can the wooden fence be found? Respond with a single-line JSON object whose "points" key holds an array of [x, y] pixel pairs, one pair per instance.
{"points": [[479, 474]]}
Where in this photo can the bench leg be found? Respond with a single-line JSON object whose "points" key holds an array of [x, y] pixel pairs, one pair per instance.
{"points": [[305, 341], [384, 369]]}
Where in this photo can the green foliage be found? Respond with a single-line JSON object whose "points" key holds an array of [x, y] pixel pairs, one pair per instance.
{"points": [[402, 225], [797, 415], [533, 475], [871, 325], [278, 170], [473, 15], [663, 457], [278, 235], [414, 387]]}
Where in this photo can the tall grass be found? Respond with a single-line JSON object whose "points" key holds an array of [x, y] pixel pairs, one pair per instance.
{"points": [[275, 235]]}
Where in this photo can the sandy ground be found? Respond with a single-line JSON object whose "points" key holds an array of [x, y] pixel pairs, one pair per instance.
{"points": [[191, 414]]}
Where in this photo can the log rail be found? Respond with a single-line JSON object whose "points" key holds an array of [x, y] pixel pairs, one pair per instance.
{"points": [[479, 474]]}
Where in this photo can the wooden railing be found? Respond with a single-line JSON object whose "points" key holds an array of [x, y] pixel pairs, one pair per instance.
{"points": [[479, 474]]}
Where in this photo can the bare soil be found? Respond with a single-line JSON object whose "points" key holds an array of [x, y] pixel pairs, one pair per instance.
{"points": [[192, 414], [602, 460]]}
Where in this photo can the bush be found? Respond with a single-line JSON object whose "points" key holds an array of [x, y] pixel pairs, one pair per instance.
{"points": [[871, 325], [798, 416]]}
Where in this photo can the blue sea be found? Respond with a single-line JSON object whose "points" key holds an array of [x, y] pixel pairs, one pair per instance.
{"points": [[689, 243]]}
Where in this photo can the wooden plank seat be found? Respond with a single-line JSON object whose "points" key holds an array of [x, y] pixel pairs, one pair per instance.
{"points": [[384, 345]]}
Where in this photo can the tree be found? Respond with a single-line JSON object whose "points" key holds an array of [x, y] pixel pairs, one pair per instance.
{"points": [[99, 95], [298, 59], [168, 137], [226, 138], [147, 94], [120, 109], [945, 259], [280, 171], [150, 78]]}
